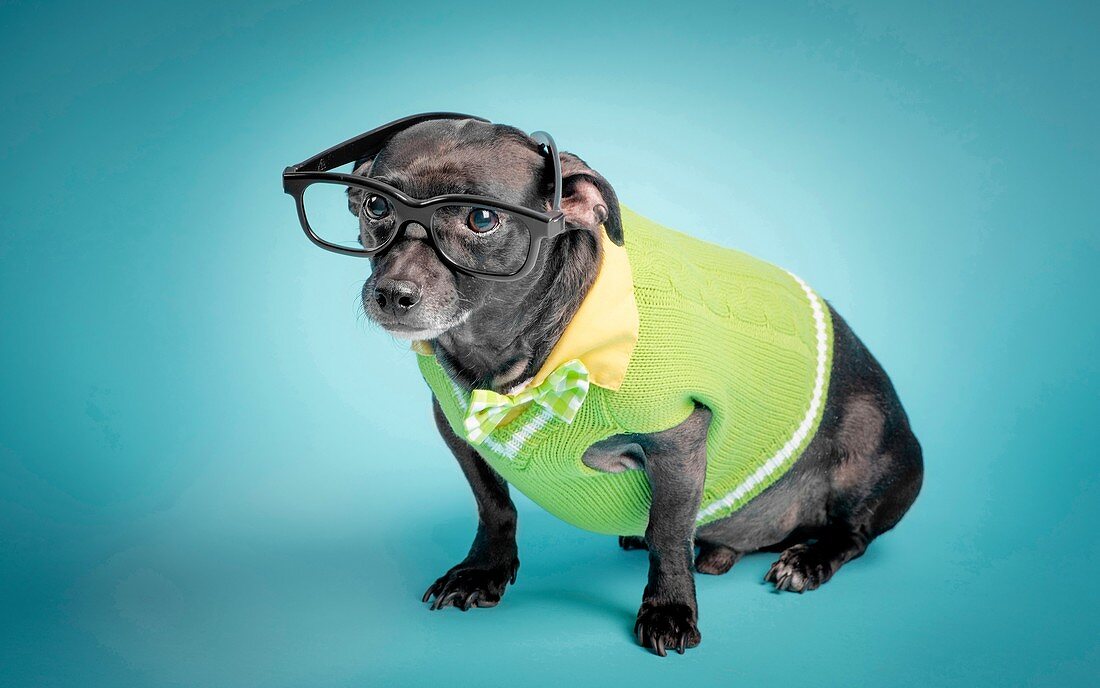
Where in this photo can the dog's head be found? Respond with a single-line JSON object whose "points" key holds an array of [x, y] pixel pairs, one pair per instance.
{"points": [[411, 292]]}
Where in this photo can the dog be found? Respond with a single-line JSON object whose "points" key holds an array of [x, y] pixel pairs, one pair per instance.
{"points": [[855, 475]]}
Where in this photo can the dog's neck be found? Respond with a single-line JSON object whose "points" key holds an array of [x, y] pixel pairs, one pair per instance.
{"points": [[501, 348]]}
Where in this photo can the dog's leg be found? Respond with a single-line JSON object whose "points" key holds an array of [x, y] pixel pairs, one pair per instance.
{"points": [[479, 579], [675, 461]]}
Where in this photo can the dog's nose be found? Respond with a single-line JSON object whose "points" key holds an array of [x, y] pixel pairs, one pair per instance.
{"points": [[396, 297]]}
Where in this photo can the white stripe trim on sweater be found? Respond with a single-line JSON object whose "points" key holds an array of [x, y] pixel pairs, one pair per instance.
{"points": [[784, 454]]}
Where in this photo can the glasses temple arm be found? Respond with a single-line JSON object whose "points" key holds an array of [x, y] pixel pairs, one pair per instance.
{"points": [[547, 141]]}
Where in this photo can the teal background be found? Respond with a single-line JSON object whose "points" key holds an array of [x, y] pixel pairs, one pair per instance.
{"points": [[200, 484]]}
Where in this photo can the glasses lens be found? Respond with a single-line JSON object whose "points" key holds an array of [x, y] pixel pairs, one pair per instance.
{"points": [[487, 240], [349, 216]]}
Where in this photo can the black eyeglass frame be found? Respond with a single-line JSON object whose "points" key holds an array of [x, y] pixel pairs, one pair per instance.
{"points": [[541, 225]]}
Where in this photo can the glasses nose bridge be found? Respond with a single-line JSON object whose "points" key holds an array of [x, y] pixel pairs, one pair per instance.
{"points": [[414, 228]]}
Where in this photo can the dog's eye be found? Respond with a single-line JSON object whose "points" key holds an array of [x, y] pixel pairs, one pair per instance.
{"points": [[482, 220], [376, 206]]}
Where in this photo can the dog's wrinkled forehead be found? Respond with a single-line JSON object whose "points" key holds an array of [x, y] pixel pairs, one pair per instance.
{"points": [[463, 156]]}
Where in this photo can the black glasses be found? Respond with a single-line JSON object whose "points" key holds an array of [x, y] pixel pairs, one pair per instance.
{"points": [[476, 235]]}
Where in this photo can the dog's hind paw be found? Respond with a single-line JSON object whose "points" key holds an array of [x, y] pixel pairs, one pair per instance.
{"points": [[629, 542], [801, 568], [715, 559], [466, 586], [663, 627]]}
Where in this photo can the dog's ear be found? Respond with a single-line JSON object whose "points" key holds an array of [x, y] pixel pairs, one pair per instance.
{"points": [[355, 194], [588, 200]]}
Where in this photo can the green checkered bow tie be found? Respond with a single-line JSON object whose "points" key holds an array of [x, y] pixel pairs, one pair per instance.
{"points": [[561, 393]]}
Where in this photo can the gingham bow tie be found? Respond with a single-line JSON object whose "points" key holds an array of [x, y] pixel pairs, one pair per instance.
{"points": [[561, 393]]}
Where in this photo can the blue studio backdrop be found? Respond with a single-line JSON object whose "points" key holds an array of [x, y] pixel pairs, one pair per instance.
{"points": [[200, 483]]}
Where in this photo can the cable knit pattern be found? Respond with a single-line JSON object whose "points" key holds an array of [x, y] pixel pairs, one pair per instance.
{"points": [[748, 340]]}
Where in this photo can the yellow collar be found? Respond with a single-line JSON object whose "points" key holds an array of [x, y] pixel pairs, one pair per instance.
{"points": [[604, 330]]}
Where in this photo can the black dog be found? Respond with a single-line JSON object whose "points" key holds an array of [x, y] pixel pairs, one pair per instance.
{"points": [[859, 474]]}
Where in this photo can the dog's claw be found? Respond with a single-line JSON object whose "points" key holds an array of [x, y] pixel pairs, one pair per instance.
{"points": [[449, 599]]}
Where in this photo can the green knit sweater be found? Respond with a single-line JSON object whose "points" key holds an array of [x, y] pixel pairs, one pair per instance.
{"points": [[748, 340]]}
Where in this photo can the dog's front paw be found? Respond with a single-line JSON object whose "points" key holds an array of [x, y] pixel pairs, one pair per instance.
{"points": [[467, 585], [662, 627]]}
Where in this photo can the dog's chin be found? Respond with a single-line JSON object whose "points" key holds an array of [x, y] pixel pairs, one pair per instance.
{"points": [[398, 331], [418, 331]]}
